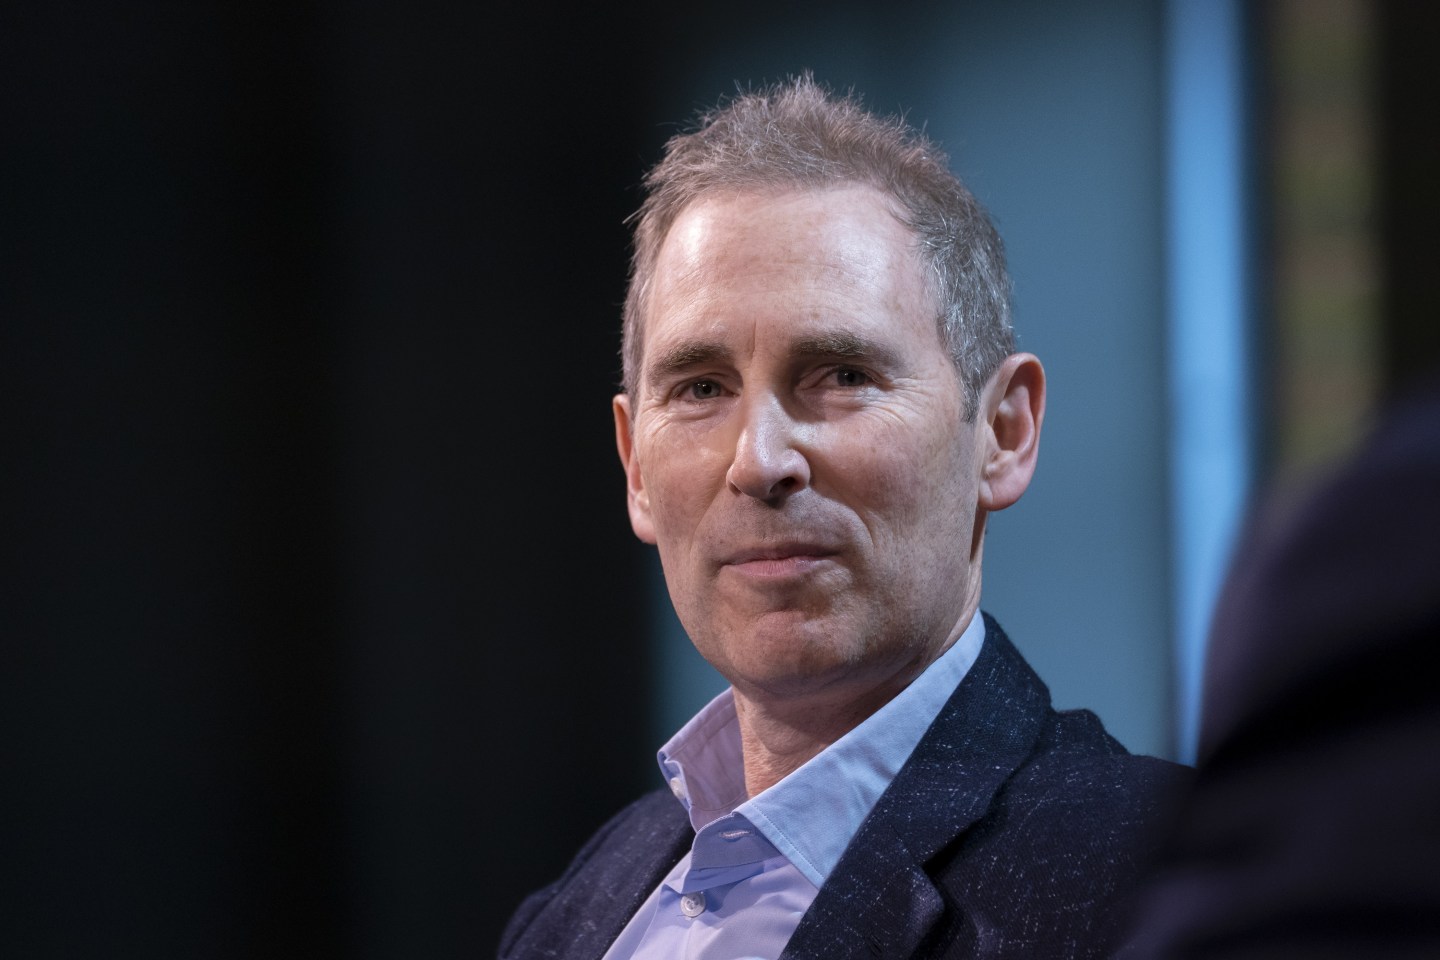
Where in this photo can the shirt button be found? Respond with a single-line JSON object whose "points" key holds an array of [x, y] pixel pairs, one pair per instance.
{"points": [[677, 787], [693, 904]]}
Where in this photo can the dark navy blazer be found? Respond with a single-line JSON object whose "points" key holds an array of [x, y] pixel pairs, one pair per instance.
{"points": [[1012, 831]]}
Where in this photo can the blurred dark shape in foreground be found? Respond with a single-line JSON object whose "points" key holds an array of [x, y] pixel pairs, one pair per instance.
{"points": [[1314, 826]]}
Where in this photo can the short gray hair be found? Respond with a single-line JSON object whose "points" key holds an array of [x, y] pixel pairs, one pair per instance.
{"points": [[799, 134]]}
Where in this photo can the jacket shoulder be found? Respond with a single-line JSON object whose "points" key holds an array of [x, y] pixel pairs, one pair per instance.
{"points": [[1091, 797], [1064, 841]]}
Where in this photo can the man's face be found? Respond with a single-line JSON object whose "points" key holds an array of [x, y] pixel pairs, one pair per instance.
{"points": [[797, 447]]}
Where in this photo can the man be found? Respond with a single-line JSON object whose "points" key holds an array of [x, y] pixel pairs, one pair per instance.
{"points": [[822, 404]]}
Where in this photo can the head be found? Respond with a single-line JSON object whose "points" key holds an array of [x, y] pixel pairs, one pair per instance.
{"points": [[797, 135], [798, 437]]}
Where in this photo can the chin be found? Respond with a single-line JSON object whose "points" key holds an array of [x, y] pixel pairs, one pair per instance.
{"points": [[794, 666]]}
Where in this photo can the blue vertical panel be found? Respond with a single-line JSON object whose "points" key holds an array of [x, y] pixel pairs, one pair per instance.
{"points": [[1209, 378]]}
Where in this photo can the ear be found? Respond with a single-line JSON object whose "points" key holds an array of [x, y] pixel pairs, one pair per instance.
{"points": [[1012, 406], [636, 497]]}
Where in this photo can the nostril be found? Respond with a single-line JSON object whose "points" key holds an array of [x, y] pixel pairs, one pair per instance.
{"points": [[781, 489]]}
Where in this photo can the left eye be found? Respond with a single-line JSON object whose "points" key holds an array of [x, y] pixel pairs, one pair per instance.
{"points": [[704, 390], [845, 377]]}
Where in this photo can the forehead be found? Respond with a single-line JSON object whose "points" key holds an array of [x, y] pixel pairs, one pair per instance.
{"points": [[789, 261]]}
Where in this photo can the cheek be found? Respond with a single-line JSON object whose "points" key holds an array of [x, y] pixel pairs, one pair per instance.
{"points": [[679, 470], [909, 481]]}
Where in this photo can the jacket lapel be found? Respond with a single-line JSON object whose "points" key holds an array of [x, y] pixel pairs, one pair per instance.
{"points": [[880, 901]]}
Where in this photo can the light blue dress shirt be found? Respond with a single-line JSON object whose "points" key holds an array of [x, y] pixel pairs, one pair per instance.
{"points": [[756, 864]]}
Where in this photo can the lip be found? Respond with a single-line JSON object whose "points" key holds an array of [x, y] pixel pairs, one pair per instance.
{"points": [[779, 560]]}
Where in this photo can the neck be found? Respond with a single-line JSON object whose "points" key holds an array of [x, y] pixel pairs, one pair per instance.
{"points": [[777, 738]]}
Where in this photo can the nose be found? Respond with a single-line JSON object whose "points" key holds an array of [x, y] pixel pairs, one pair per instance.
{"points": [[769, 464]]}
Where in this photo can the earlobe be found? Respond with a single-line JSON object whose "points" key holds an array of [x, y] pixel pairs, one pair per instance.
{"points": [[1012, 410], [635, 494]]}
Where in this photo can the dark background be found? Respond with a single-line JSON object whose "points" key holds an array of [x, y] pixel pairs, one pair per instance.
{"points": [[319, 632], [319, 593]]}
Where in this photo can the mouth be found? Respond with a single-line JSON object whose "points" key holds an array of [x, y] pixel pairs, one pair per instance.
{"points": [[778, 561]]}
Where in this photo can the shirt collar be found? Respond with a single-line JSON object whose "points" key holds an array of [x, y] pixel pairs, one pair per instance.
{"points": [[811, 815]]}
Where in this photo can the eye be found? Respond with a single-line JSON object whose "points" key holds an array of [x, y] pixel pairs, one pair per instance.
{"points": [[850, 377], [703, 390]]}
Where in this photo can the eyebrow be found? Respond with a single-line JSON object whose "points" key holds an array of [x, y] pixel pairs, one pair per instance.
{"points": [[683, 356], [841, 346]]}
